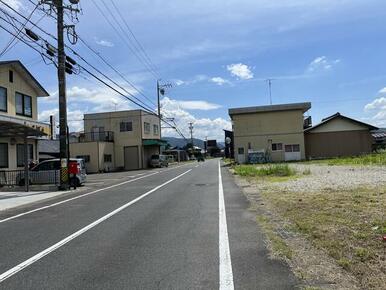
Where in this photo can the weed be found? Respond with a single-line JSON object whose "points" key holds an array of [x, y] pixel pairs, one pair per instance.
{"points": [[266, 170], [344, 262]]}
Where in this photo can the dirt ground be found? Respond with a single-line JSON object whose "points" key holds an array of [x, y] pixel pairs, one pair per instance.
{"points": [[327, 222]]}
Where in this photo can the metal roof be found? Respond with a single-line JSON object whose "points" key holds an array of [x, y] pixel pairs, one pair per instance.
{"points": [[15, 127], [379, 135], [338, 115], [271, 108], [16, 64]]}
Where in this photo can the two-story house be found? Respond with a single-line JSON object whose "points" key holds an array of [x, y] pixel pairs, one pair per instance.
{"points": [[276, 130], [122, 140], [19, 127]]}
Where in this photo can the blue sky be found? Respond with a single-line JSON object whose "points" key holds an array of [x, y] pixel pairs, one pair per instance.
{"points": [[218, 54]]}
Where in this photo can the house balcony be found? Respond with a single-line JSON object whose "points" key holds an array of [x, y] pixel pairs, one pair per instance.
{"points": [[105, 136]]}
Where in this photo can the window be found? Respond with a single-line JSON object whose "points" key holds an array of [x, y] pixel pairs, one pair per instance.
{"points": [[23, 105], [11, 76], [3, 99], [240, 150], [3, 155], [277, 146], [107, 158], [20, 154], [86, 158], [147, 127], [292, 148], [249, 146], [126, 126], [155, 130]]}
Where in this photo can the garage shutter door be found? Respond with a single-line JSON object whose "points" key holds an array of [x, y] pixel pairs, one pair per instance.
{"points": [[131, 158]]}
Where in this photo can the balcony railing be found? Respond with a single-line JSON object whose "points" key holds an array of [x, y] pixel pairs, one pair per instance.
{"points": [[106, 136]]}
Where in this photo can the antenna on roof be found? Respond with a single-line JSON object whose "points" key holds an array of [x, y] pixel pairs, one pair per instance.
{"points": [[269, 81]]}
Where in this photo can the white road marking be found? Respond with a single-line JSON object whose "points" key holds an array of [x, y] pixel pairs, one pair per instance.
{"points": [[82, 195], [61, 243], [226, 274]]}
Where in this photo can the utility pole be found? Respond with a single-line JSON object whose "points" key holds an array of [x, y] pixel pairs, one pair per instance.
{"points": [[191, 134], [64, 182], [161, 91], [158, 101], [63, 67]]}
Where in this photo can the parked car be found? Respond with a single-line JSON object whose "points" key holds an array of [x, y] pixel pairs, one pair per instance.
{"points": [[158, 160], [48, 172]]}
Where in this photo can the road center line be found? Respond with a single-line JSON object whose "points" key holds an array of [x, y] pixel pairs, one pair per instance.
{"points": [[225, 263], [66, 240], [82, 195]]}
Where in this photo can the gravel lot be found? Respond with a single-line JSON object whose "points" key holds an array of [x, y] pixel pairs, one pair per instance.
{"points": [[324, 177]]}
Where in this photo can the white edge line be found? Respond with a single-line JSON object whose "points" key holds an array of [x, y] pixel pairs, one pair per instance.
{"points": [[225, 263], [83, 195], [59, 244]]}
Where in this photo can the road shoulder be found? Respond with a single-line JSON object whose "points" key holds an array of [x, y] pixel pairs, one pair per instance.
{"points": [[253, 267]]}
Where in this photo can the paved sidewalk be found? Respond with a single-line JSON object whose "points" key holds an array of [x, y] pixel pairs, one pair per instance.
{"points": [[10, 200]]}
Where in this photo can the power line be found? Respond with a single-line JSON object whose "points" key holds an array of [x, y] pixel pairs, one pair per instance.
{"points": [[142, 56], [123, 38], [80, 57], [103, 74], [4, 51], [133, 35], [114, 69], [86, 70]]}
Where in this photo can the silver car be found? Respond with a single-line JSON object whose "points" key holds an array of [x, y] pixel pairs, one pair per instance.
{"points": [[158, 160], [48, 172]]}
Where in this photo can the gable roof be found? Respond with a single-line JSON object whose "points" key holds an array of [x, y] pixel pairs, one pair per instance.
{"points": [[272, 108], [339, 116], [19, 67]]}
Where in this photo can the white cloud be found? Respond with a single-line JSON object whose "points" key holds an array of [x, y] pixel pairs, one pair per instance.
{"points": [[377, 104], [83, 100], [377, 109], [103, 42], [219, 81], [15, 4], [203, 127], [382, 91], [179, 82], [74, 118], [198, 105], [322, 63], [240, 70]]}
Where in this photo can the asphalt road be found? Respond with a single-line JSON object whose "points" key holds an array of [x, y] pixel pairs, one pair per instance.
{"points": [[163, 229]]}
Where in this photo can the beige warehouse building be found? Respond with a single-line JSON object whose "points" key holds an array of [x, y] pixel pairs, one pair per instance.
{"points": [[122, 140], [277, 130]]}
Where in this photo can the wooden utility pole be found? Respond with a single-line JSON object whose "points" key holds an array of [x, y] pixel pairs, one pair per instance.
{"points": [[64, 184], [191, 134]]}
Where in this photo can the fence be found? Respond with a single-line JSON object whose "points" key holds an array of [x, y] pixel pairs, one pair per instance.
{"points": [[16, 177]]}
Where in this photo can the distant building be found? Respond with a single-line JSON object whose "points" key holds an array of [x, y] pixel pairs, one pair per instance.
{"points": [[19, 126], [275, 130], [379, 139], [229, 148], [338, 135], [122, 140], [211, 148]]}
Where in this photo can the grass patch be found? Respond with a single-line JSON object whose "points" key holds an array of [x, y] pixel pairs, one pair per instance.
{"points": [[378, 158], [278, 170], [348, 225], [279, 247]]}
